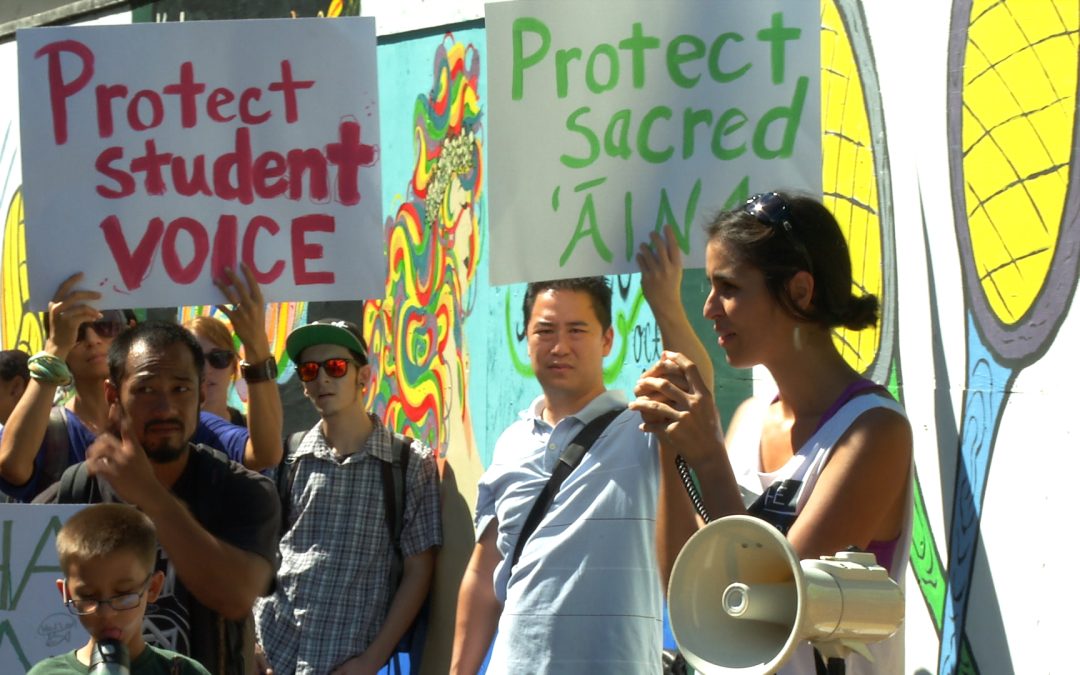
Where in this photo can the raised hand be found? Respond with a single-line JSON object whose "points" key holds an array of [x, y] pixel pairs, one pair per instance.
{"points": [[247, 313], [67, 311], [661, 268]]}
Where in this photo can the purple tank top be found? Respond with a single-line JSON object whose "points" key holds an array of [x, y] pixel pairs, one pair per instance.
{"points": [[882, 550]]}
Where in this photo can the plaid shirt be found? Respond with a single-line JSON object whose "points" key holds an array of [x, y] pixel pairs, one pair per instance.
{"points": [[333, 588]]}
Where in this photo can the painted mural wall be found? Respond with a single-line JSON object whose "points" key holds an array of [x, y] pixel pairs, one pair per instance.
{"points": [[948, 142]]}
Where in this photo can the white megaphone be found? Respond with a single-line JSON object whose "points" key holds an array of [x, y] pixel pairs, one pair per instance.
{"points": [[740, 600]]}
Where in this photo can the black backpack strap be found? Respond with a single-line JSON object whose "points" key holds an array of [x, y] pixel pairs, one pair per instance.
{"points": [[56, 448], [76, 485], [393, 479], [568, 461], [286, 475]]}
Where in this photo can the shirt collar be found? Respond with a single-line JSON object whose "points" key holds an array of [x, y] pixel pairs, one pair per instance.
{"points": [[378, 443], [611, 399]]}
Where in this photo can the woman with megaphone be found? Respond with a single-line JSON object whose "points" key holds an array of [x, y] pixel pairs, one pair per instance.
{"points": [[828, 460]]}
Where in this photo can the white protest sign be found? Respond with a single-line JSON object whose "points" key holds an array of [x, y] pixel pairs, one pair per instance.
{"points": [[611, 118], [34, 623], [157, 155]]}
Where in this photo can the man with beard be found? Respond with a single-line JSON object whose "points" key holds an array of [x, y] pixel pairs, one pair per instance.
{"points": [[216, 521], [41, 440]]}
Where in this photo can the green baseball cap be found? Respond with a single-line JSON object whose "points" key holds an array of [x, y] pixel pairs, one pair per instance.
{"points": [[326, 332]]}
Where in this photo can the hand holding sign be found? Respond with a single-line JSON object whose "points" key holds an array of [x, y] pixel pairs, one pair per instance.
{"points": [[248, 312], [67, 311], [660, 262]]}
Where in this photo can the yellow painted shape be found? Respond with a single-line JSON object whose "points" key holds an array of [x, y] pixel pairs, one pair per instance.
{"points": [[849, 181], [21, 329], [1020, 77]]}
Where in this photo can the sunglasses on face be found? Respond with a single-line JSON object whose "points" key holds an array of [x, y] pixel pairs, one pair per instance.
{"points": [[220, 358], [103, 328], [335, 368], [119, 603], [773, 210]]}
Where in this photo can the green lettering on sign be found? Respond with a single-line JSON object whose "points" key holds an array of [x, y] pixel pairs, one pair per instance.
{"points": [[521, 62]]}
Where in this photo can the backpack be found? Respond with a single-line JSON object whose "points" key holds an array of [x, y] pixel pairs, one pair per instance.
{"points": [[394, 490], [77, 486]]}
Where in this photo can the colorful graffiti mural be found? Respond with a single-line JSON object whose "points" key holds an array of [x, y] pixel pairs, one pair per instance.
{"points": [[969, 232], [415, 333]]}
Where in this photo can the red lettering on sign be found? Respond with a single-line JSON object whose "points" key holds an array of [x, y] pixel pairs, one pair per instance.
{"points": [[133, 265], [302, 251], [59, 89]]}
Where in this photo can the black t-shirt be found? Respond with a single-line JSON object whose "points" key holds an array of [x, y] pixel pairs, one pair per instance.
{"points": [[235, 505]]}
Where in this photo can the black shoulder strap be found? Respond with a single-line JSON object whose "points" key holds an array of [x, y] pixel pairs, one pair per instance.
{"points": [[568, 461], [393, 478], [76, 485], [57, 448], [286, 474]]}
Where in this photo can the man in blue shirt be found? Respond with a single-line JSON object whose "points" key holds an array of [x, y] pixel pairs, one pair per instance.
{"points": [[584, 596]]}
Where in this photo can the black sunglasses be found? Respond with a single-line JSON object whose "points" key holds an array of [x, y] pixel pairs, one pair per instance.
{"points": [[220, 358], [335, 368], [103, 328], [773, 210]]}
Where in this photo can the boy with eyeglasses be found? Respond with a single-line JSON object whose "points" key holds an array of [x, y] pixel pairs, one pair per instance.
{"points": [[107, 554], [40, 440], [335, 607]]}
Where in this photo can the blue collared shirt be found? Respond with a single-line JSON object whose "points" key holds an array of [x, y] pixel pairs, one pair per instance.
{"points": [[585, 594]]}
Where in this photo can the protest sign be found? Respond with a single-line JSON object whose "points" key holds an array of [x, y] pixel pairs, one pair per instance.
{"points": [[34, 623], [157, 155], [611, 118]]}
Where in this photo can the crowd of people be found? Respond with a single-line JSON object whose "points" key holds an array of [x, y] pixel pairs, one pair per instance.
{"points": [[314, 553]]}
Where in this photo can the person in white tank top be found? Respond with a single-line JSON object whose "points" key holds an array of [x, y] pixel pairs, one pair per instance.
{"points": [[829, 460]]}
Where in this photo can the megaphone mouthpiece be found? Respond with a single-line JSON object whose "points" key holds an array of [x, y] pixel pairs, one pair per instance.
{"points": [[774, 603]]}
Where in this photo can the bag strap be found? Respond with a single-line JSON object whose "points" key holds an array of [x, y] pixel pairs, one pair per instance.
{"points": [[57, 449], [76, 485], [568, 461], [393, 479], [286, 475]]}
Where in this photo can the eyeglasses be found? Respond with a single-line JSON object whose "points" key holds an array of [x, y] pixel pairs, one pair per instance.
{"points": [[103, 328], [773, 210], [220, 358], [335, 368], [119, 603]]}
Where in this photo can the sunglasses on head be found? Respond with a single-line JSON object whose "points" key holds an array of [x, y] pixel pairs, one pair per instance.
{"points": [[104, 328], [773, 210], [335, 368], [220, 358]]}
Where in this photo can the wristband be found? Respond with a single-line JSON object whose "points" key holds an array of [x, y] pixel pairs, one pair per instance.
{"points": [[259, 372], [49, 369]]}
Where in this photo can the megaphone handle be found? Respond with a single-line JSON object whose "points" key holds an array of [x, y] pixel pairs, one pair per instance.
{"points": [[691, 488], [834, 666]]}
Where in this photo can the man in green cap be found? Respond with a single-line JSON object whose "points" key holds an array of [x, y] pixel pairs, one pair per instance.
{"points": [[354, 573]]}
